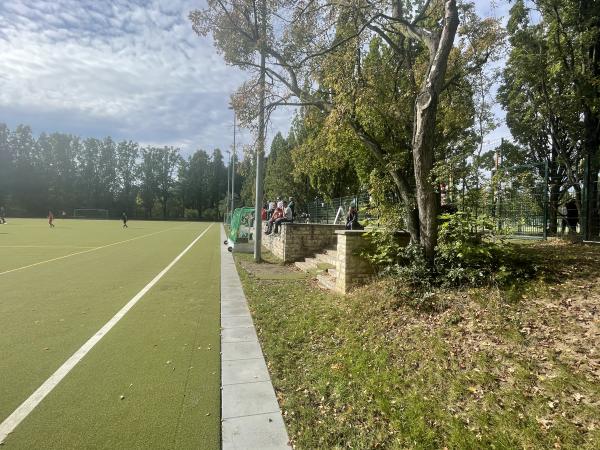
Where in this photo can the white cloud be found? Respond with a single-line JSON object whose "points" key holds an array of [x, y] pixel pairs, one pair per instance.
{"points": [[136, 69], [132, 69]]}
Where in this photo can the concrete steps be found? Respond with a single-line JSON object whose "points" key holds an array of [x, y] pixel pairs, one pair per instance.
{"points": [[323, 265], [328, 257], [301, 265], [308, 264]]}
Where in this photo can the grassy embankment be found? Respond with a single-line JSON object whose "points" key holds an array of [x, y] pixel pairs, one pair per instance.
{"points": [[484, 368]]}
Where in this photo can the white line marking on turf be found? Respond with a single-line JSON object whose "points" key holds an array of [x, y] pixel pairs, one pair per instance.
{"points": [[47, 246], [92, 249], [12, 421]]}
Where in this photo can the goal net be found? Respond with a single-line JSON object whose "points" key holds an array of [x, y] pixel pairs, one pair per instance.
{"points": [[89, 213], [242, 225]]}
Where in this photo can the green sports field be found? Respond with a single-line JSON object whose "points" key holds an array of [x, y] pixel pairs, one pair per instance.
{"points": [[153, 380]]}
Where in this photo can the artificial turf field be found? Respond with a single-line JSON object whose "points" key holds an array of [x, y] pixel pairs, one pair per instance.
{"points": [[153, 381]]}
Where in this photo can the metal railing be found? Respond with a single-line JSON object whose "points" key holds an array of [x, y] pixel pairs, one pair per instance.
{"points": [[327, 211]]}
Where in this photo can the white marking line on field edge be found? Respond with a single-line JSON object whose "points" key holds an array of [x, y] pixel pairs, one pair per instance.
{"points": [[92, 249], [47, 246], [34, 399]]}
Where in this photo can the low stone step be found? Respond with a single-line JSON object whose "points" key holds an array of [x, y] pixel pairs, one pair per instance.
{"points": [[329, 257], [312, 263], [307, 265], [302, 266], [326, 282], [332, 272]]}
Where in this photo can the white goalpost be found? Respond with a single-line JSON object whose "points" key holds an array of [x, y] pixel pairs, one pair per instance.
{"points": [[90, 213]]}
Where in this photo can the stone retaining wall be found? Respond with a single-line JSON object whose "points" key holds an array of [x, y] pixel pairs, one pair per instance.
{"points": [[353, 270], [297, 241]]}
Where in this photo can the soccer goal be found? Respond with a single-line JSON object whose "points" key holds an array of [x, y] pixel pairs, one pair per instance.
{"points": [[90, 213], [242, 228]]}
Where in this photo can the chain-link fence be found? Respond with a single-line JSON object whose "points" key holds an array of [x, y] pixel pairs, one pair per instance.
{"points": [[512, 200], [523, 200], [334, 210]]}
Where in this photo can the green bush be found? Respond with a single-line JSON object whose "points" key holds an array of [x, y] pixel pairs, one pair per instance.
{"points": [[190, 213], [468, 253]]}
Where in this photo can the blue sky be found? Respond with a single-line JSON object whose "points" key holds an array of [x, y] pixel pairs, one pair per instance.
{"points": [[131, 69]]}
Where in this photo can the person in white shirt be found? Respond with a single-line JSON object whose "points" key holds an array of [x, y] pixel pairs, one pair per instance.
{"points": [[288, 216], [270, 210]]}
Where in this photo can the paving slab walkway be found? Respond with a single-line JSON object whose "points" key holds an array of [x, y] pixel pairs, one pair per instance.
{"points": [[251, 418]]}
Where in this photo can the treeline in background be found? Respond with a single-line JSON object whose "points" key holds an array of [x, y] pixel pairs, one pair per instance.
{"points": [[62, 172]]}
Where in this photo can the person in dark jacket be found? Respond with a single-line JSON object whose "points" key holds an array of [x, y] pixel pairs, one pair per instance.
{"points": [[352, 222], [571, 219]]}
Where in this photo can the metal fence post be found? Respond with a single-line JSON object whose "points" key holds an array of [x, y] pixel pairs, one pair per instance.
{"points": [[584, 201], [546, 199]]}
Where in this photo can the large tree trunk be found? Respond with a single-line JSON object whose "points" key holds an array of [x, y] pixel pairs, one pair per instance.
{"points": [[402, 186], [164, 206], [408, 198], [424, 129]]}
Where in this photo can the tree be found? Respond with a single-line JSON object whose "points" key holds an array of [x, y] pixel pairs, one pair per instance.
{"points": [[29, 185], [550, 90], [296, 46], [167, 160], [88, 176], [280, 179], [107, 173], [60, 172], [148, 175], [541, 112], [218, 179], [194, 178], [127, 153], [245, 177], [6, 164]]}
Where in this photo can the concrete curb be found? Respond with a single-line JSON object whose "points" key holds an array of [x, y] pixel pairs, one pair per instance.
{"points": [[250, 415]]}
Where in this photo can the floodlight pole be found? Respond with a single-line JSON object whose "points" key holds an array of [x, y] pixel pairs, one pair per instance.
{"points": [[233, 164], [260, 152], [227, 194]]}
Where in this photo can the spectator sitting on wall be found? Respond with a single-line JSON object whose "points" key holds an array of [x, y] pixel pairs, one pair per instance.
{"points": [[270, 210], [277, 214], [287, 217], [352, 219], [263, 212]]}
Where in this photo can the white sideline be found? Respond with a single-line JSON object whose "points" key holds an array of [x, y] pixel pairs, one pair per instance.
{"points": [[92, 249], [47, 246], [12, 421]]}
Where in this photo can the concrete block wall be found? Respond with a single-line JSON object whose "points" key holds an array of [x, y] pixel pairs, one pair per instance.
{"points": [[351, 269], [297, 241]]}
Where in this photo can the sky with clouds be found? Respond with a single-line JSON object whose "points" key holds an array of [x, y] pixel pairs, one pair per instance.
{"points": [[131, 69]]}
